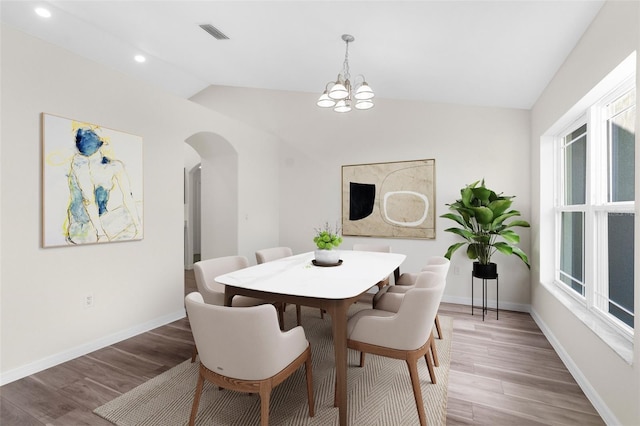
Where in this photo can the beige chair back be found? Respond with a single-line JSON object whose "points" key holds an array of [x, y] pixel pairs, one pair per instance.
{"points": [[273, 253], [381, 248], [206, 271], [439, 264], [429, 279]]}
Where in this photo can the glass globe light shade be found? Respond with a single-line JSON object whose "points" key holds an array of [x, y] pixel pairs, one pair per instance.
{"points": [[324, 101], [364, 92], [364, 104], [338, 91], [342, 106]]}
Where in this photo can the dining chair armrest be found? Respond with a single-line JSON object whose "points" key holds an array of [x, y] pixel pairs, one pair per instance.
{"points": [[407, 278], [293, 341], [390, 302], [400, 289]]}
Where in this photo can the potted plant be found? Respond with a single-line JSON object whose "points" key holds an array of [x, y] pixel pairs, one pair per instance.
{"points": [[482, 215], [327, 239]]}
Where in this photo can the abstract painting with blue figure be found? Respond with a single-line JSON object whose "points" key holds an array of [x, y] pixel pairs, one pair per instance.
{"points": [[101, 206]]}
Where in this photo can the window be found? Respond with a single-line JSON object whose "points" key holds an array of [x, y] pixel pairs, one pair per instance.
{"points": [[594, 207]]}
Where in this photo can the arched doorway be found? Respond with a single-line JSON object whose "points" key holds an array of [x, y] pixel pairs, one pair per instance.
{"points": [[218, 202]]}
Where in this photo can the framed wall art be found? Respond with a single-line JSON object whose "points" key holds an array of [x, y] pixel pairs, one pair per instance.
{"points": [[393, 200], [91, 183]]}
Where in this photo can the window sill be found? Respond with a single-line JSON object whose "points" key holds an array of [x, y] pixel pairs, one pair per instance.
{"points": [[608, 334]]}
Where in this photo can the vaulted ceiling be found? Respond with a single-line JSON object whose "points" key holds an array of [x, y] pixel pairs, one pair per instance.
{"points": [[494, 53]]}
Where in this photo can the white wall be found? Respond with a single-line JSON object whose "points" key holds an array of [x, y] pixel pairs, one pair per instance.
{"points": [[612, 384], [468, 143], [136, 285]]}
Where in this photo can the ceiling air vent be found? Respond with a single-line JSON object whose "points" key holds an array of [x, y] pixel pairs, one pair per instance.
{"points": [[216, 33]]}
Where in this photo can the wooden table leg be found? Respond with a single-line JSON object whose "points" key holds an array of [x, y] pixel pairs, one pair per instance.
{"points": [[228, 296], [338, 313]]}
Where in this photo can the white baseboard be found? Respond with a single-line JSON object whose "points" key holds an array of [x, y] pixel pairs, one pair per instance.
{"points": [[507, 306], [590, 392], [59, 358]]}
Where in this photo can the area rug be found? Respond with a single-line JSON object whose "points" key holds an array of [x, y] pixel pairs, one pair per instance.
{"points": [[378, 394]]}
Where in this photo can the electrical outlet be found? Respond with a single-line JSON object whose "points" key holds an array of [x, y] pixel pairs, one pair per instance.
{"points": [[88, 300]]}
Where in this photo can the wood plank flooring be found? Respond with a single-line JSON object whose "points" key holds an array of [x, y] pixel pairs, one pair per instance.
{"points": [[503, 372]]}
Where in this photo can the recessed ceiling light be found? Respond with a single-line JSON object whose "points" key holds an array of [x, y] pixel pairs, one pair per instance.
{"points": [[41, 11], [140, 59]]}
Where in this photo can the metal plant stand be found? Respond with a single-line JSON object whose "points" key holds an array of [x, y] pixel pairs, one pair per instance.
{"points": [[484, 295]]}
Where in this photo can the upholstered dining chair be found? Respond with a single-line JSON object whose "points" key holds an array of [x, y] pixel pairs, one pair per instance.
{"points": [[406, 334], [212, 291], [391, 301], [243, 349], [381, 248], [437, 264], [274, 253]]}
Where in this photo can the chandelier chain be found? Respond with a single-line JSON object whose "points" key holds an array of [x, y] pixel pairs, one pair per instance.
{"points": [[345, 65]]}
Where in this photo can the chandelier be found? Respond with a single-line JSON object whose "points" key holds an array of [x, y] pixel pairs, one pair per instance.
{"points": [[339, 94]]}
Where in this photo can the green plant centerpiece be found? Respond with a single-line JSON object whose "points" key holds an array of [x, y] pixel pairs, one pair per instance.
{"points": [[483, 218], [327, 239]]}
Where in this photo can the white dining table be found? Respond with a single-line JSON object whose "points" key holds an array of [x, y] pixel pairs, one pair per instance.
{"points": [[297, 280]]}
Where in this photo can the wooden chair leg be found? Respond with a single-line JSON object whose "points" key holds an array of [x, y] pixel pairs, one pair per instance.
{"points": [[298, 315], [417, 392], [432, 373], [361, 359], [438, 329], [196, 400], [434, 351], [265, 394], [322, 313], [307, 369], [194, 353]]}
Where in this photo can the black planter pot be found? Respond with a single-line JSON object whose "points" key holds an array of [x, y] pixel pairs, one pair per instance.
{"points": [[489, 271]]}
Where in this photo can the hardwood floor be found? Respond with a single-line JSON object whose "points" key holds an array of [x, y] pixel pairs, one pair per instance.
{"points": [[503, 372]]}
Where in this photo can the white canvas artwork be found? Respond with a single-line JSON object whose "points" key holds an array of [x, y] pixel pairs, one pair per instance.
{"points": [[91, 183]]}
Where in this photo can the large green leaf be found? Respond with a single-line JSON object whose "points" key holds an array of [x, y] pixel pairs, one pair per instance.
{"points": [[499, 206], [483, 215], [467, 235], [467, 215], [452, 248], [472, 251], [503, 247], [510, 236], [466, 193], [522, 223], [482, 194], [457, 205], [522, 256], [499, 219], [456, 218]]}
